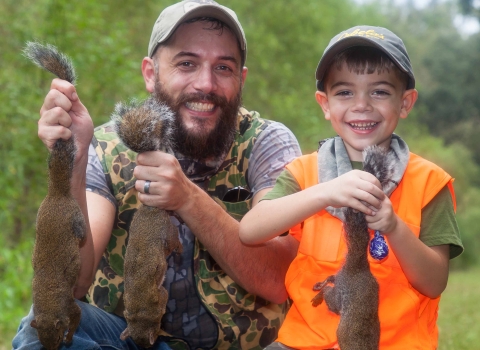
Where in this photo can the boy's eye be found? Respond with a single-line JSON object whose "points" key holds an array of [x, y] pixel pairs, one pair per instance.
{"points": [[381, 93], [343, 93]]}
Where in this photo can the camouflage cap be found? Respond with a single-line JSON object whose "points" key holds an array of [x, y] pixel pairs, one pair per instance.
{"points": [[378, 37], [171, 17]]}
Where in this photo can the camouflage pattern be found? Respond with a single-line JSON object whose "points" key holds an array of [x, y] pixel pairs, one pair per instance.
{"points": [[244, 321]]}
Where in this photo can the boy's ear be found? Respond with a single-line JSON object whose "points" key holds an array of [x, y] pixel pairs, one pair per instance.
{"points": [[322, 100], [408, 101]]}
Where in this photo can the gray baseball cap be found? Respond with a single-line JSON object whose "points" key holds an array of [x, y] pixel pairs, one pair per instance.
{"points": [[378, 37], [171, 17]]}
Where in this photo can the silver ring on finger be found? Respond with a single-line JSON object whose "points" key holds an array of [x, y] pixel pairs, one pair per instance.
{"points": [[146, 187]]}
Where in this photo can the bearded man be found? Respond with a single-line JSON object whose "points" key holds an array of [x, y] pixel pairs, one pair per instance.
{"points": [[222, 294]]}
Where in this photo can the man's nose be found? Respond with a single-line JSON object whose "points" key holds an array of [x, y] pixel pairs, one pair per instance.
{"points": [[205, 81]]}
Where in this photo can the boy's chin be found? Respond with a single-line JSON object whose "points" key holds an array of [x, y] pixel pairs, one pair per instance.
{"points": [[356, 147]]}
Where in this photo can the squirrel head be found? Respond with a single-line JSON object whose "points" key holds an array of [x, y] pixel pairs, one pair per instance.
{"points": [[50, 332]]}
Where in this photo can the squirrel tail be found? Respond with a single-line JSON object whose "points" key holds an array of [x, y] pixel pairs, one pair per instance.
{"points": [[49, 58], [144, 125], [380, 162]]}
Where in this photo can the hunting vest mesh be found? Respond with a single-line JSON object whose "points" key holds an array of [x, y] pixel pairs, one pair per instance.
{"points": [[245, 321]]}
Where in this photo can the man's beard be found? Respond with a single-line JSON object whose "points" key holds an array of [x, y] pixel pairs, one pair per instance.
{"points": [[201, 144]]}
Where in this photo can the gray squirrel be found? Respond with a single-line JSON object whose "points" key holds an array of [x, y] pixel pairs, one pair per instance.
{"points": [[146, 126], [60, 227], [354, 294]]}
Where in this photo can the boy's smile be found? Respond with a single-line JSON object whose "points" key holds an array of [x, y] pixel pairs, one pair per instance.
{"points": [[364, 109]]}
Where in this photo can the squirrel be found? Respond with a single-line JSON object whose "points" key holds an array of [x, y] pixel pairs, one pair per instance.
{"points": [[354, 295], [152, 237], [60, 228]]}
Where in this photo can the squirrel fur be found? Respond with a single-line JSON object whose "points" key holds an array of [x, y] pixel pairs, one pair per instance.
{"points": [[354, 294], [60, 227], [152, 237]]}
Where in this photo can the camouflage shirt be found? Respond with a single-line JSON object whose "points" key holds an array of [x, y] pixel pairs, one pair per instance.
{"points": [[206, 308]]}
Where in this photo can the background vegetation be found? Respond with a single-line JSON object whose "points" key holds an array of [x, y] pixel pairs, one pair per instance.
{"points": [[285, 41]]}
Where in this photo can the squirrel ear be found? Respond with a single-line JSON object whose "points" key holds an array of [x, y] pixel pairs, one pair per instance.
{"points": [[125, 334], [57, 324], [33, 323]]}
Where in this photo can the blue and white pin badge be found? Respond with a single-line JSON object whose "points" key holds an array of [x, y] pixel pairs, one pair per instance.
{"points": [[378, 247]]}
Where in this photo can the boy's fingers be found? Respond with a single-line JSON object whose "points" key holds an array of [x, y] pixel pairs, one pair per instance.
{"points": [[364, 209]]}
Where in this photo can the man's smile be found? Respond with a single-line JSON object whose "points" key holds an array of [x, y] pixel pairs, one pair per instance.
{"points": [[200, 106]]}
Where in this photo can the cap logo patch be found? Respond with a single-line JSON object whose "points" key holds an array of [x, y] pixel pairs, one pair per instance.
{"points": [[195, 3], [365, 33]]}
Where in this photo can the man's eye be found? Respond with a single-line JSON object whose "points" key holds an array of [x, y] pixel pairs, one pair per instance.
{"points": [[225, 68], [343, 93], [185, 64], [381, 92]]}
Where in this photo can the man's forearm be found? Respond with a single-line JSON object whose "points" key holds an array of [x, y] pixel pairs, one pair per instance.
{"points": [[261, 269]]}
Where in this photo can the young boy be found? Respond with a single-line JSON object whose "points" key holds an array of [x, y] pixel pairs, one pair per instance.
{"points": [[365, 85]]}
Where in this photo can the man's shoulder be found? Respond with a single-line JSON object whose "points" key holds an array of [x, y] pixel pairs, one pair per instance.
{"points": [[254, 119]]}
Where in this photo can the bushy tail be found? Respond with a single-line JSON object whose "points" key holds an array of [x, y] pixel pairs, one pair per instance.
{"points": [[62, 156], [379, 162], [49, 58], [144, 125]]}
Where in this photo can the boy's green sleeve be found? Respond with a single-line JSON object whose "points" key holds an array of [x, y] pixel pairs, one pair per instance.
{"points": [[284, 186], [439, 224]]}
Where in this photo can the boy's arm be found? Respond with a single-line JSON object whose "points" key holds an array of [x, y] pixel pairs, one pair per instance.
{"points": [[426, 267], [271, 218]]}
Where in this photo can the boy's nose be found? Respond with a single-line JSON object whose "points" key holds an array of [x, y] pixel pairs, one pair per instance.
{"points": [[362, 104]]}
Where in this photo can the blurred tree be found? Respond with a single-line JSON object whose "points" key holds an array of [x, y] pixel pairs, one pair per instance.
{"points": [[470, 7]]}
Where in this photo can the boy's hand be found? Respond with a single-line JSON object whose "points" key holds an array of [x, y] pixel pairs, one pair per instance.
{"points": [[385, 220], [356, 189]]}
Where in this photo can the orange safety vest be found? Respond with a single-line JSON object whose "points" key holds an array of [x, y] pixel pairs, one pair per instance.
{"points": [[407, 317]]}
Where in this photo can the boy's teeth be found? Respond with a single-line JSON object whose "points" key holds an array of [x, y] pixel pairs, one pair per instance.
{"points": [[363, 126], [200, 106]]}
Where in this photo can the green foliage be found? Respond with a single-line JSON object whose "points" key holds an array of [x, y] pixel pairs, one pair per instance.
{"points": [[107, 41], [15, 293], [458, 318]]}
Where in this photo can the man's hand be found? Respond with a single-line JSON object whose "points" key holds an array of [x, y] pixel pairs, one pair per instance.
{"points": [[63, 115], [169, 187]]}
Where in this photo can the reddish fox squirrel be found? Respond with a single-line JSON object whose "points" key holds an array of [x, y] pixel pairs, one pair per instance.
{"points": [[152, 237], [59, 229]]}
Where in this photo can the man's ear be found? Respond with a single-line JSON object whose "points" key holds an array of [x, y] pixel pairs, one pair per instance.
{"points": [[148, 72], [244, 75], [408, 101], [322, 100]]}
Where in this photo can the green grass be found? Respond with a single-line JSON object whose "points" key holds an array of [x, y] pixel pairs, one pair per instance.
{"points": [[459, 316]]}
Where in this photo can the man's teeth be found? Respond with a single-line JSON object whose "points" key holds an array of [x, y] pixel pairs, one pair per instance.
{"points": [[200, 107], [363, 126]]}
